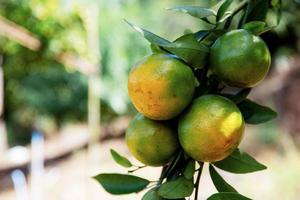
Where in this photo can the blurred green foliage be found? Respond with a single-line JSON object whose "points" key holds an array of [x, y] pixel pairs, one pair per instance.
{"points": [[38, 87]]}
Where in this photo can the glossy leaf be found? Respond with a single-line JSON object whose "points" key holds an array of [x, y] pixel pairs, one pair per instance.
{"points": [[195, 11], [223, 8], [186, 47], [178, 188], [240, 163], [190, 50], [121, 160], [254, 113], [220, 184], [189, 170], [227, 196], [151, 37], [257, 27], [121, 183]]}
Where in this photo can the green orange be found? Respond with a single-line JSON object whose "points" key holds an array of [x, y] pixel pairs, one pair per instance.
{"points": [[153, 143], [211, 128], [161, 86], [240, 59]]}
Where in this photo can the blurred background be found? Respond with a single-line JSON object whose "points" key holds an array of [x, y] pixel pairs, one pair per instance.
{"points": [[64, 103]]}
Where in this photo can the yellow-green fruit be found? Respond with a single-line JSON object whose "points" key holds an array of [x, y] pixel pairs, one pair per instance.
{"points": [[153, 143], [161, 86], [240, 59], [211, 128]]}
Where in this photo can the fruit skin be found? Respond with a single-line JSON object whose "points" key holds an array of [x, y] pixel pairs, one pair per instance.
{"points": [[240, 59], [211, 128], [161, 86], [153, 143]]}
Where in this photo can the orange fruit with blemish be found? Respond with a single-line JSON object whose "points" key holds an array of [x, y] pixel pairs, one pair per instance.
{"points": [[154, 143], [211, 128], [161, 86]]}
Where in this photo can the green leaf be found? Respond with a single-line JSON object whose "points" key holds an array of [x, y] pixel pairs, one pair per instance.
{"points": [[178, 188], [257, 27], [190, 50], [151, 37], [121, 160], [227, 196], [189, 170], [195, 11], [241, 95], [220, 184], [201, 34], [121, 183], [258, 10], [254, 113], [186, 47], [240, 163], [223, 8], [212, 36], [152, 195]]}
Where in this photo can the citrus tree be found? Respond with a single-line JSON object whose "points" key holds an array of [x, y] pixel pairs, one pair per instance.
{"points": [[187, 117]]}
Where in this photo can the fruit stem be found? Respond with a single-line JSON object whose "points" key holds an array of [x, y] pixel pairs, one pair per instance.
{"points": [[137, 168], [162, 175], [198, 180], [169, 168]]}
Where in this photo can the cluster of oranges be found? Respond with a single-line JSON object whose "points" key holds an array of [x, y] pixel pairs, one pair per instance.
{"points": [[209, 127]]}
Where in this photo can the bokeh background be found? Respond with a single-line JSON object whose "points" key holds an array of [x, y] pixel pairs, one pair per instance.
{"points": [[64, 102]]}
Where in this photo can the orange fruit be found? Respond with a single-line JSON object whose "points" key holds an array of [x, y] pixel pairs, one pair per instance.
{"points": [[240, 59], [161, 86], [153, 143], [211, 128]]}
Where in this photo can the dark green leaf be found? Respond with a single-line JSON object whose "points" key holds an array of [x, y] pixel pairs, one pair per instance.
{"points": [[201, 34], [223, 8], [195, 11], [227, 196], [152, 195], [151, 37], [189, 170], [157, 49], [121, 183], [186, 47], [240, 163], [241, 95], [212, 36], [178, 188], [176, 167], [220, 184], [190, 50], [257, 27], [258, 10], [254, 113], [121, 160]]}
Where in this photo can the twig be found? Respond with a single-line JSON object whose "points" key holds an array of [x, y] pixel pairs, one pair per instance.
{"points": [[137, 168]]}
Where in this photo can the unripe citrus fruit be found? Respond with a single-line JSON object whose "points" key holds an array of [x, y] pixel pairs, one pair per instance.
{"points": [[240, 59], [161, 86], [153, 143], [211, 128]]}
